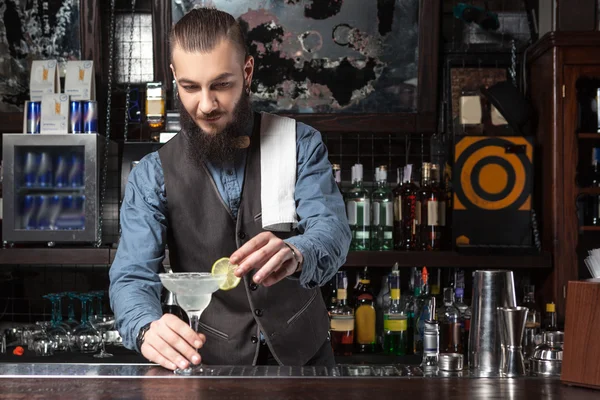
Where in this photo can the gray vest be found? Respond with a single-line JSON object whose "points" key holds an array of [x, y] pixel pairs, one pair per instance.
{"points": [[201, 230]]}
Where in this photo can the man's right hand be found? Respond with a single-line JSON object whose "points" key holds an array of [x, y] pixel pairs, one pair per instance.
{"points": [[171, 343]]}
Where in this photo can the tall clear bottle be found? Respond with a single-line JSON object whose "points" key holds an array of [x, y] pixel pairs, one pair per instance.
{"points": [[533, 323], [464, 310], [382, 206], [395, 323], [342, 319], [358, 209], [450, 335], [424, 311], [365, 316], [397, 193], [410, 211]]}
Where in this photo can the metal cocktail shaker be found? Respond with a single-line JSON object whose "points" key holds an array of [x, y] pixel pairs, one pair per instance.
{"points": [[511, 323], [491, 289]]}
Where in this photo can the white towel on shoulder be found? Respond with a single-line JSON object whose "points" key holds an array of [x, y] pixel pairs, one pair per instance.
{"points": [[278, 172]]}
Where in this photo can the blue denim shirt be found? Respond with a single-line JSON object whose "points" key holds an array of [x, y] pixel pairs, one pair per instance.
{"points": [[324, 236]]}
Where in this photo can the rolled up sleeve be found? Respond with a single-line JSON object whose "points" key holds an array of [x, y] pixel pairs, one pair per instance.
{"points": [[134, 284], [324, 237]]}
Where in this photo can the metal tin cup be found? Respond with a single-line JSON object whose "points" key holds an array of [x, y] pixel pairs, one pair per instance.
{"points": [[491, 289], [451, 362]]}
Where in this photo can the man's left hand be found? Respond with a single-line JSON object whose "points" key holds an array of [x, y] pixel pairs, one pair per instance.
{"points": [[269, 255]]}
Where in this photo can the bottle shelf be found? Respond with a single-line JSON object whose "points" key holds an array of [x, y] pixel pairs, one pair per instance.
{"points": [[588, 135], [590, 228], [590, 191], [377, 259]]}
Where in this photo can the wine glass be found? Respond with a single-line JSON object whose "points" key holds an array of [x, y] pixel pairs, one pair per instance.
{"points": [[102, 323], [85, 338], [194, 291], [55, 330]]}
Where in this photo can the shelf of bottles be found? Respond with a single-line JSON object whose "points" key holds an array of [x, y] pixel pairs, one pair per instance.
{"points": [[394, 321]]}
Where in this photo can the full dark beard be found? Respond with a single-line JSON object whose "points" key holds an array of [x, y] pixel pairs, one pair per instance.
{"points": [[221, 146]]}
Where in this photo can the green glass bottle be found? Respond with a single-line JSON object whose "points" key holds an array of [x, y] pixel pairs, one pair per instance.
{"points": [[358, 208], [395, 322], [382, 205]]}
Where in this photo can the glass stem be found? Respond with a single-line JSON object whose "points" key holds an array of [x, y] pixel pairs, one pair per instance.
{"points": [[71, 310], [194, 317], [84, 317]]}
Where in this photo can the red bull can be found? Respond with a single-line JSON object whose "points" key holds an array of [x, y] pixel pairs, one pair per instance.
{"points": [[43, 212], [34, 116], [62, 172], [44, 173], [75, 174], [90, 117], [28, 213], [75, 117], [30, 168]]}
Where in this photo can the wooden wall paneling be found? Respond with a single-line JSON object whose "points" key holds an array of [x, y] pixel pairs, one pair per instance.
{"points": [[543, 97], [576, 15], [566, 254]]}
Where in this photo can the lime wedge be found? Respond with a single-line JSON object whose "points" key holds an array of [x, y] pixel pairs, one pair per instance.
{"points": [[223, 267]]}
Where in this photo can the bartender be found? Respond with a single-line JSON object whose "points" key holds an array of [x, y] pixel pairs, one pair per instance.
{"points": [[214, 190]]}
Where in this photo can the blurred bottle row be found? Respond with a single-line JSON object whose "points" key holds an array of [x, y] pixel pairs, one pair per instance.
{"points": [[412, 216], [393, 322]]}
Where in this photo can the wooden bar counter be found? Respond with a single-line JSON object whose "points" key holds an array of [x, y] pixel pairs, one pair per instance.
{"points": [[45, 381]]}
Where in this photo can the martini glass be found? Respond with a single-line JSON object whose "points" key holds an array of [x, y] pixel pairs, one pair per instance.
{"points": [[194, 291]]}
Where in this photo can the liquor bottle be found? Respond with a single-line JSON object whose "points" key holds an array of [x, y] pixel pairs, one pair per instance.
{"points": [[435, 285], [432, 218], [331, 295], [464, 310], [382, 303], [358, 208], [594, 200], [410, 210], [427, 214], [533, 323], [382, 206], [365, 336], [409, 309], [424, 311], [551, 323], [170, 306], [395, 324], [155, 109], [397, 193], [450, 335], [437, 185], [337, 175], [342, 319]]}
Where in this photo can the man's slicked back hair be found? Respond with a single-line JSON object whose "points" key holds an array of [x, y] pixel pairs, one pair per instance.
{"points": [[202, 29]]}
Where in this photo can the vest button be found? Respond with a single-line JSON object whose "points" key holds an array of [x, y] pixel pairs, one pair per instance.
{"points": [[242, 235], [253, 286], [254, 339], [229, 172], [258, 312]]}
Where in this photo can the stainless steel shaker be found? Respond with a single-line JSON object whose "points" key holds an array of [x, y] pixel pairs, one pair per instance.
{"points": [[511, 325], [491, 289]]}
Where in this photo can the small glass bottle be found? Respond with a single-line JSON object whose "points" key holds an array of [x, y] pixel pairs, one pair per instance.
{"points": [[365, 316], [358, 209], [450, 335], [395, 324], [342, 319], [431, 344], [410, 211], [424, 311], [551, 323]]}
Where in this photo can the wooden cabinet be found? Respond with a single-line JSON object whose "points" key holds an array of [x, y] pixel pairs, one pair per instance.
{"points": [[554, 66]]}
